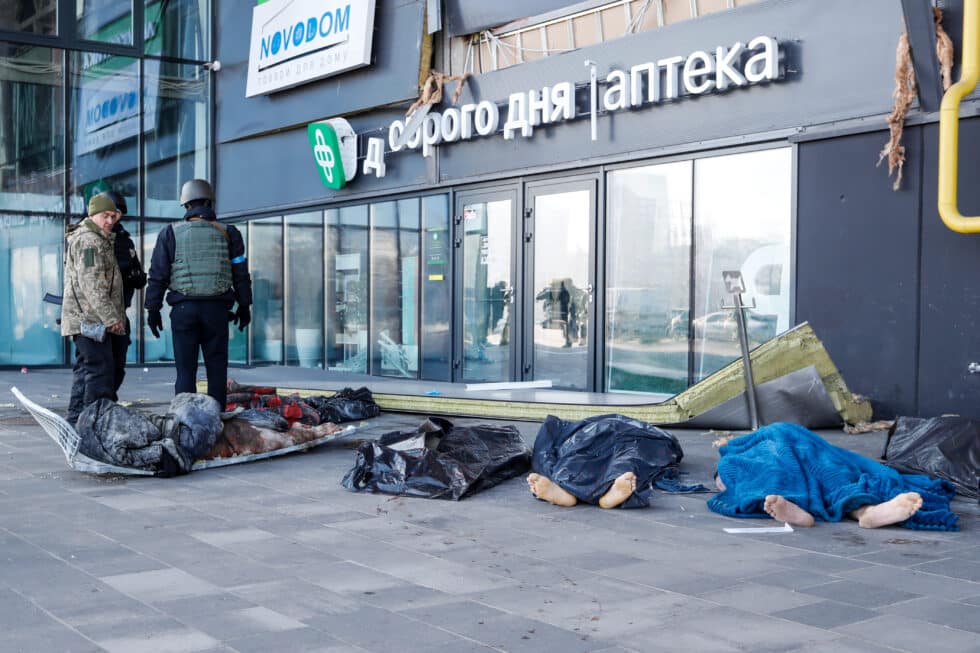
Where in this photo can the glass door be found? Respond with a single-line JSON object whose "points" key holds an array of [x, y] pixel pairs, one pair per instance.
{"points": [[485, 236], [559, 228]]}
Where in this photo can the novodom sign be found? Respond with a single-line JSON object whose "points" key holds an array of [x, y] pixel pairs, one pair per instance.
{"points": [[298, 41], [670, 79]]}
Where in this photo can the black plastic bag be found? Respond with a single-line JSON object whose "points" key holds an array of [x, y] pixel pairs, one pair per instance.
{"points": [[439, 461], [348, 405], [584, 458], [940, 447]]}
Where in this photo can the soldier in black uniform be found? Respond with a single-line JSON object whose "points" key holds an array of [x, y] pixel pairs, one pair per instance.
{"points": [[133, 278], [202, 263]]}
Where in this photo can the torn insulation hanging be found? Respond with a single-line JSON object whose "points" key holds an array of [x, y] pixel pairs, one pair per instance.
{"points": [[905, 88], [432, 89]]}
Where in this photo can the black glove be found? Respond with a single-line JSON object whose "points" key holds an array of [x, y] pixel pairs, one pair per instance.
{"points": [[134, 278], [243, 317], [155, 321]]}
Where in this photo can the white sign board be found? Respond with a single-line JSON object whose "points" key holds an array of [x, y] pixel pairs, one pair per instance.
{"points": [[298, 41]]}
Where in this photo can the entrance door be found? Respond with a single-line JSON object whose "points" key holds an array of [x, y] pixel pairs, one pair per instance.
{"points": [[487, 269], [559, 225]]}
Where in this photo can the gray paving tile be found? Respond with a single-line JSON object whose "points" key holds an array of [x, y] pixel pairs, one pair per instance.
{"points": [[827, 564], [598, 560], [376, 629], [185, 640], [298, 599], [301, 640], [795, 579], [53, 638], [826, 614], [18, 612], [760, 599], [845, 644], [908, 634], [945, 613], [859, 594], [915, 582], [160, 585], [242, 623], [406, 597], [954, 568]]}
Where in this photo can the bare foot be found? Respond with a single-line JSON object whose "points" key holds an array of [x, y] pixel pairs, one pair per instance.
{"points": [[621, 490], [544, 489], [781, 509], [890, 512]]}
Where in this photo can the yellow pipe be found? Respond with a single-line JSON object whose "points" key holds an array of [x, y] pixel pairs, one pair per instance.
{"points": [[949, 124]]}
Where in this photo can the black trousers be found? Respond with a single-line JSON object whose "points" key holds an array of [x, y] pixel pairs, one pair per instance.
{"points": [[120, 345], [201, 325], [93, 374]]}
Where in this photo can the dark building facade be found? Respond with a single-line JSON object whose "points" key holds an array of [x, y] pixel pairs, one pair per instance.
{"points": [[529, 231]]}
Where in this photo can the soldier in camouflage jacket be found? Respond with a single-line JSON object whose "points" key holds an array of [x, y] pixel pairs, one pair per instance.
{"points": [[93, 295]]}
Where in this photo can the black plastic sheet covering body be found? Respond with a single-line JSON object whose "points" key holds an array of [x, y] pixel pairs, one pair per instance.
{"points": [[586, 457], [439, 460], [940, 447], [348, 405]]}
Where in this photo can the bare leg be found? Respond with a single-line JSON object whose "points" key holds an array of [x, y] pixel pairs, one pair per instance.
{"points": [[621, 490], [544, 489], [783, 510], [890, 512]]}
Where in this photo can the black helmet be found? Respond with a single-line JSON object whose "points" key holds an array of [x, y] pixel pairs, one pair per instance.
{"points": [[118, 200], [196, 189]]}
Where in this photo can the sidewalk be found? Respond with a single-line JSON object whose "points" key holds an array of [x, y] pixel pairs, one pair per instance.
{"points": [[277, 556]]}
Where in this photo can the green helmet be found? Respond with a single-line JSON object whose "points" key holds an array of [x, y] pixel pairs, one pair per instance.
{"points": [[196, 189]]}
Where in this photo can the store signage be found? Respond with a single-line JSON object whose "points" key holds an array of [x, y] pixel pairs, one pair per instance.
{"points": [[299, 41], [334, 146], [671, 79]]}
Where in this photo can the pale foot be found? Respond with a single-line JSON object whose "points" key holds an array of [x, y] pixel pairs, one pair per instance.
{"points": [[621, 490], [544, 489], [890, 512], [781, 509]]}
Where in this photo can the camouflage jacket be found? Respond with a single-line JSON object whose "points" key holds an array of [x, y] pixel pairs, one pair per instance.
{"points": [[93, 285]]}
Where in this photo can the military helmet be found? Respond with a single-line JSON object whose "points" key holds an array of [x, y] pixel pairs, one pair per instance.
{"points": [[118, 200], [196, 189]]}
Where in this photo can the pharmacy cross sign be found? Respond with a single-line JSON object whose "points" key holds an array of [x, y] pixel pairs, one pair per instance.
{"points": [[334, 146]]}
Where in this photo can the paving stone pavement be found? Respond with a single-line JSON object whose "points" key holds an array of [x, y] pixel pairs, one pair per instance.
{"points": [[277, 556]]}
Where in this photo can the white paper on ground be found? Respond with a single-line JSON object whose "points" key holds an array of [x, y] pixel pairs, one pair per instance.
{"points": [[785, 528]]}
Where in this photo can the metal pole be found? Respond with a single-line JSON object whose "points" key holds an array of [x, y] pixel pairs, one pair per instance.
{"points": [[746, 362]]}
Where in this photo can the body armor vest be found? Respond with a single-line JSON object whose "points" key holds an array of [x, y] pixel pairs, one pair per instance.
{"points": [[201, 267]]}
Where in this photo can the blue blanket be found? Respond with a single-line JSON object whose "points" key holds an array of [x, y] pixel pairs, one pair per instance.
{"points": [[826, 481]]}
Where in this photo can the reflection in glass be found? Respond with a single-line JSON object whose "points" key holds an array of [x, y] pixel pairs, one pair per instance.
{"points": [[32, 153], [31, 261], [107, 21], [177, 28], [304, 290], [394, 287], [29, 16], [562, 288], [105, 120], [265, 265], [742, 222], [162, 348], [133, 312], [238, 340], [487, 290], [347, 288], [436, 289], [175, 127], [648, 249]]}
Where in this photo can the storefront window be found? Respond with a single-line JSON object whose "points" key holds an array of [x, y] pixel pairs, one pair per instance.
{"points": [[175, 125], [436, 289], [265, 265], [394, 287], [180, 27], [304, 290], [347, 288], [29, 16], [133, 312], [742, 216], [31, 261], [160, 349], [105, 122], [32, 117], [107, 21], [648, 278]]}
